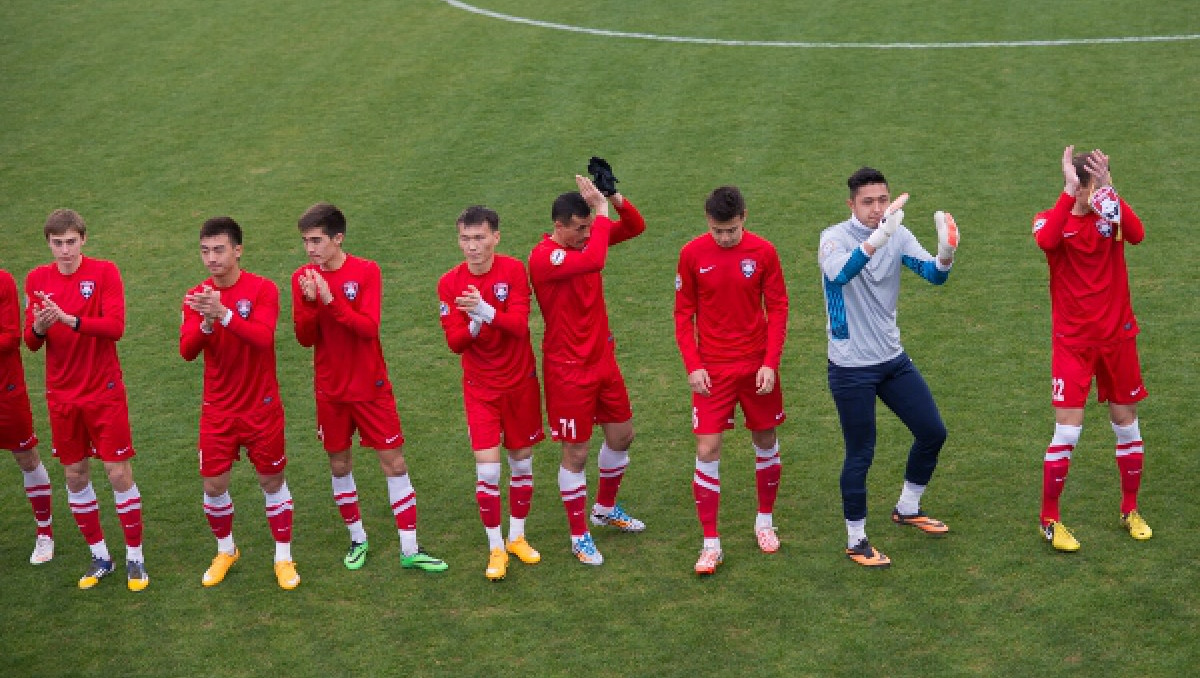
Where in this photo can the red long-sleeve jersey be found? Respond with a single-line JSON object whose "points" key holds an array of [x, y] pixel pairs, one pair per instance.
{"points": [[731, 304], [12, 372], [239, 359], [570, 289], [500, 356], [1089, 283], [348, 364], [81, 364]]}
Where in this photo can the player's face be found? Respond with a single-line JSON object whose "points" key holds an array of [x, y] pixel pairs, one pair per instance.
{"points": [[869, 204], [576, 232], [321, 249], [727, 233], [67, 249], [478, 243], [220, 255]]}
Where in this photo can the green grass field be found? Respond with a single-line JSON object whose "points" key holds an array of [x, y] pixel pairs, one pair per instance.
{"points": [[150, 117]]}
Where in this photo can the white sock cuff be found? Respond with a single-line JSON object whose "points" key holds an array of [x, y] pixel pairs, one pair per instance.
{"points": [[343, 484], [521, 467], [1066, 435], [131, 493], [282, 495], [711, 469], [610, 458], [85, 496], [488, 472], [37, 476], [399, 487], [220, 501], [1127, 434], [769, 452], [569, 480]]}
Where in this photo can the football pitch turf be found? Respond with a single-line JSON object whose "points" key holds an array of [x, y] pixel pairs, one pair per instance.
{"points": [[148, 117]]}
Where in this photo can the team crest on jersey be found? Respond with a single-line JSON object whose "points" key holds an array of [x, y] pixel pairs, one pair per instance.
{"points": [[350, 289], [1104, 227], [748, 267], [443, 309], [501, 290], [558, 256], [678, 282], [87, 288], [1038, 225], [244, 307]]}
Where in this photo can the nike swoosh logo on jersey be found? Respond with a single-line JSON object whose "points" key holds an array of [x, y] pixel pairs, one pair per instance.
{"points": [[706, 269], [1070, 235], [389, 441], [1136, 391]]}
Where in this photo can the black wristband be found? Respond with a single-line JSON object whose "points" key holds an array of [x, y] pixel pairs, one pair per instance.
{"points": [[37, 334], [78, 319]]}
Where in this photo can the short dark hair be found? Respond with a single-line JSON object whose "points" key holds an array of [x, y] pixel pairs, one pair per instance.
{"points": [[725, 203], [62, 220], [865, 176], [325, 217], [569, 205], [1079, 160], [478, 214], [222, 226]]}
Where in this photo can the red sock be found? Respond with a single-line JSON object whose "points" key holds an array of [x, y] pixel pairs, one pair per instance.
{"points": [[612, 471], [86, 511], [279, 514], [129, 511], [1054, 477], [767, 470], [345, 495], [1130, 468], [37, 489], [573, 488], [487, 492], [404, 502], [219, 511], [706, 488]]}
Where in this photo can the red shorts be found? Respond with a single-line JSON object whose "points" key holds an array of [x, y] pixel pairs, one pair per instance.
{"points": [[578, 396], [223, 434], [377, 423], [16, 423], [514, 414], [1115, 366], [734, 385], [98, 428]]}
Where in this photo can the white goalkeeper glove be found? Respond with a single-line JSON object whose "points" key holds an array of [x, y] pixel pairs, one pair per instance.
{"points": [[947, 232], [474, 327], [483, 312], [892, 218]]}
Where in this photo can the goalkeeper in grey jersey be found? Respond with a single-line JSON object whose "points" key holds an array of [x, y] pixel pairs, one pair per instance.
{"points": [[861, 261]]}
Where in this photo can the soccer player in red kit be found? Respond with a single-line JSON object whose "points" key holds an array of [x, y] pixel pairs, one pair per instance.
{"points": [[584, 385], [731, 311], [75, 307], [231, 319], [1094, 332], [484, 307], [336, 304], [16, 420]]}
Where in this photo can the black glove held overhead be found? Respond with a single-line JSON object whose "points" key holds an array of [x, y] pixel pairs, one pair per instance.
{"points": [[602, 175]]}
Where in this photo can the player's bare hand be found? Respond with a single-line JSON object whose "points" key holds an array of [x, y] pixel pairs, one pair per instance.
{"points": [[592, 195], [700, 382], [207, 303], [617, 200], [765, 380], [1070, 176], [51, 311], [1096, 165], [308, 289], [320, 286], [43, 318], [468, 299]]}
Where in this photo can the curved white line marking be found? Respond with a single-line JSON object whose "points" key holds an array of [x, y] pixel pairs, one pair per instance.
{"points": [[814, 45]]}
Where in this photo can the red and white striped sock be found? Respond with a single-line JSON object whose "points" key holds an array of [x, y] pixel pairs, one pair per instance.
{"points": [[706, 488], [279, 517], [37, 489], [404, 508], [520, 495], [1130, 452], [1055, 466], [487, 495], [573, 489], [86, 511], [129, 511], [219, 512], [612, 470], [345, 495], [767, 469]]}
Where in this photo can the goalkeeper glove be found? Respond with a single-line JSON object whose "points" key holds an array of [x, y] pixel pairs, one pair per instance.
{"points": [[602, 175], [947, 232], [891, 221], [1105, 202], [483, 312]]}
